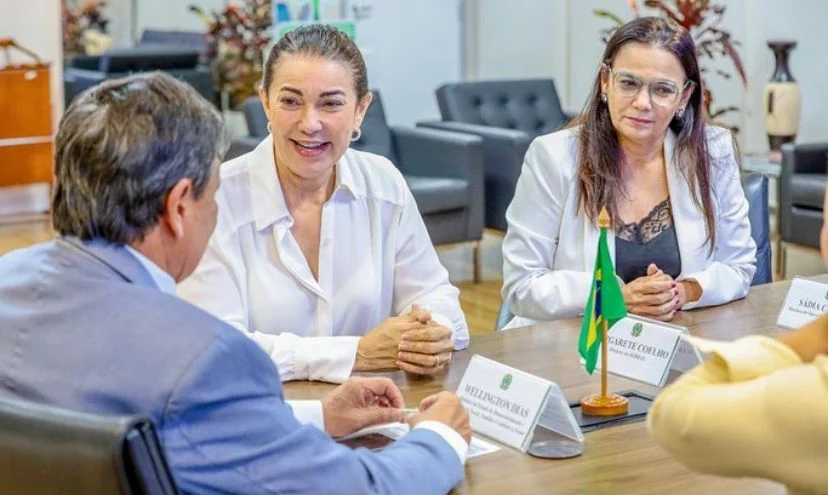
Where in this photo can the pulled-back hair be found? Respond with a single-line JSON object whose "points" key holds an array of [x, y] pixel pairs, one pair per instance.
{"points": [[323, 41]]}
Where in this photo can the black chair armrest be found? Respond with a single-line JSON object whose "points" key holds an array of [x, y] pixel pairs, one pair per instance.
{"points": [[433, 153], [84, 74], [503, 152], [241, 145], [507, 137], [808, 158]]}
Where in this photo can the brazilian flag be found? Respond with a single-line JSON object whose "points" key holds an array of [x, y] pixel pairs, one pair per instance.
{"points": [[605, 303]]}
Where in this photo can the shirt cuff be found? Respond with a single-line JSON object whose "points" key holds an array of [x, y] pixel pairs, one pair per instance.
{"points": [[308, 412], [460, 447], [458, 341], [701, 278], [753, 356], [326, 359]]}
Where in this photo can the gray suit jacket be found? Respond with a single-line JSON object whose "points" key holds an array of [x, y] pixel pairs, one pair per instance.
{"points": [[83, 326]]}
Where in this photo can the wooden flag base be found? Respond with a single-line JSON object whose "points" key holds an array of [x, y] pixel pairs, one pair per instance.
{"points": [[604, 405]]}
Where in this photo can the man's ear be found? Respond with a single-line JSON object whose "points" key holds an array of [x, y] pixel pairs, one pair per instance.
{"points": [[177, 206]]}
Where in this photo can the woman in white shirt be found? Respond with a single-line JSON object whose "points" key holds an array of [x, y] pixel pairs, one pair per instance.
{"points": [[320, 252], [671, 185]]}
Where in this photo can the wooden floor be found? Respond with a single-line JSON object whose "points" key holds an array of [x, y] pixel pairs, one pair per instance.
{"points": [[480, 301]]}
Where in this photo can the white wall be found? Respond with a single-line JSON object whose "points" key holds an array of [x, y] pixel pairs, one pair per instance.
{"points": [[560, 39], [803, 21], [173, 14], [522, 37], [410, 48], [37, 27], [154, 14]]}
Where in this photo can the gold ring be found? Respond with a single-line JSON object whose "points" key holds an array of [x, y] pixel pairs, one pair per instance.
{"points": [[438, 360]]}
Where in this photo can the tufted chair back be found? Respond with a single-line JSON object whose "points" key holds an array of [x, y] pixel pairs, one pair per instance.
{"points": [[529, 105]]}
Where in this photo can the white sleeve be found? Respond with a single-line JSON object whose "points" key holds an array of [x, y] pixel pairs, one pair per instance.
{"points": [[457, 443], [530, 287], [729, 276], [325, 359], [420, 278], [308, 412], [216, 287]]}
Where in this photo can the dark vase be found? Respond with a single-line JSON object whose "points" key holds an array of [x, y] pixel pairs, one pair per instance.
{"points": [[782, 98]]}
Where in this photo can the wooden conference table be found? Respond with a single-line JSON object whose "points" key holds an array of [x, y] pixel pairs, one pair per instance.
{"points": [[618, 460]]}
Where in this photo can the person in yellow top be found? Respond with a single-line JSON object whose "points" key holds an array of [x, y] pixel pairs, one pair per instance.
{"points": [[758, 407]]}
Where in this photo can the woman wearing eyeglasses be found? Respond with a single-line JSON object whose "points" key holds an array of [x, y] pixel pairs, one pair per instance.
{"points": [[680, 234]]}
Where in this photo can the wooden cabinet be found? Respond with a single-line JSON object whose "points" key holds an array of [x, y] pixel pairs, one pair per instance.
{"points": [[26, 141]]}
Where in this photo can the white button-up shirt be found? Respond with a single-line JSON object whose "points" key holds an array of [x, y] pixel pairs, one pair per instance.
{"points": [[375, 260]]}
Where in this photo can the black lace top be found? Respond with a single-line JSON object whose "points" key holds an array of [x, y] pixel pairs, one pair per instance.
{"points": [[652, 240]]}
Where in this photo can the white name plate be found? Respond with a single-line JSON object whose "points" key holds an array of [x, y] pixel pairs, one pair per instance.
{"points": [[806, 301], [642, 349], [687, 356], [506, 404]]}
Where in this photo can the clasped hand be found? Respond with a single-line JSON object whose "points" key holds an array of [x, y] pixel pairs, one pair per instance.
{"points": [[655, 295], [412, 342]]}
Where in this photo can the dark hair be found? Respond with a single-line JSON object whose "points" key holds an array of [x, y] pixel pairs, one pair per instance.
{"points": [[121, 147], [599, 174], [319, 40]]}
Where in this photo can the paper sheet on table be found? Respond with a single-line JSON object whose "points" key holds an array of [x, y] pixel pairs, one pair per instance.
{"points": [[396, 431]]}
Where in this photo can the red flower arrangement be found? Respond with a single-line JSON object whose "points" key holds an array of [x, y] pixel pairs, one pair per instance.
{"points": [[237, 37], [77, 19]]}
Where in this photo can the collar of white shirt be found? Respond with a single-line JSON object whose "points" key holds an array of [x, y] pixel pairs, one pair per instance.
{"points": [[162, 279], [267, 198]]}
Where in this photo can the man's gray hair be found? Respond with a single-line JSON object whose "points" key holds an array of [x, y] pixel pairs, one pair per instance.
{"points": [[121, 147]]}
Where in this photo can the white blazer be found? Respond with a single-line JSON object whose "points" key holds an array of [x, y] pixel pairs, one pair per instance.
{"points": [[549, 248]]}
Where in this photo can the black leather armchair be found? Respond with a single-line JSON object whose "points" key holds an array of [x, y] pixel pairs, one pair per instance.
{"points": [[183, 62], [46, 450], [508, 115], [444, 170], [756, 193], [801, 195]]}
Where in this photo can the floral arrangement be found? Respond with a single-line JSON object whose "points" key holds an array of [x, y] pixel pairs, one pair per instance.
{"points": [[84, 26], [702, 18], [237, 36]]}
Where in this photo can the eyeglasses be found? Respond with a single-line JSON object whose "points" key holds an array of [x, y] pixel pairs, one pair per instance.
{"points": [[663, 92]]}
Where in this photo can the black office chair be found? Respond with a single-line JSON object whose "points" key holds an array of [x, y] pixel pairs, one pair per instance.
{"points": [[756, 192], [801, 197], [46, 450], [507, 115]]}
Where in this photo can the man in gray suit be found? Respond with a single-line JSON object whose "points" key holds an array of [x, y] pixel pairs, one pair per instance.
{"points": [[91, 322]]}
